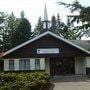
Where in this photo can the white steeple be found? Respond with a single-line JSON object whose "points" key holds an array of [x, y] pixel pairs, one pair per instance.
{"points": [[45, 13], [46, 22]]}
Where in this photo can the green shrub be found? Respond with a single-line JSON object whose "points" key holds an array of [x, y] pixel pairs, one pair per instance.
{"points": [[23, 81]]}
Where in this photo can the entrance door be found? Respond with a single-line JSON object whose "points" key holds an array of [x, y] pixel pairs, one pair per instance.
{"points": [[62, 66]]}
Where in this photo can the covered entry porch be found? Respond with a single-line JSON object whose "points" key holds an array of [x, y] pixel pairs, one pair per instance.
{"points": [[66, 65]]}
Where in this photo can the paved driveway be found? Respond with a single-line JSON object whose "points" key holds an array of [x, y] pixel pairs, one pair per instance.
{"points": [[71, 83]]}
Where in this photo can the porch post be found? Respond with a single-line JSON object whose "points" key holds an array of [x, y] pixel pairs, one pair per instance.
{"points": [[47, 65], [80, 65]]}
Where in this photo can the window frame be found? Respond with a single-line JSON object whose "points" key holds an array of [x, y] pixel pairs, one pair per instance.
{"points": [[24, 61], [37, 67], [12, 64]]}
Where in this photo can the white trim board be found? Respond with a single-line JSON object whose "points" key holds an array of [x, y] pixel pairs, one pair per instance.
{"points": [[40, 36]]}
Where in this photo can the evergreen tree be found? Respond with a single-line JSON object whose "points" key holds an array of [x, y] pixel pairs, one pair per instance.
{"points": [[58, 27], [63, 30], [22, 32], [84, 16], [16, 31], [10, 25], [53, 24], [38, 28], [3, 17]]}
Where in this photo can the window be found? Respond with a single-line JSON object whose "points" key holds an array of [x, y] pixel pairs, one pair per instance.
{"points": [[24, 64], [11, 65], [37, 64]]}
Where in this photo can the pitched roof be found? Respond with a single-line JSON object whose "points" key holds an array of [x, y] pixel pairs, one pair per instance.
{"points": [[43, 34], [82, 43]]}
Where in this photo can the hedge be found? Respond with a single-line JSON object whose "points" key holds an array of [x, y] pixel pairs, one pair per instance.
{"points": [[23, 81]]}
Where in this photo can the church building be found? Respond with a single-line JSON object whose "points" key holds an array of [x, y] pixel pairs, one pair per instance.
{"points": [[50, 53]]}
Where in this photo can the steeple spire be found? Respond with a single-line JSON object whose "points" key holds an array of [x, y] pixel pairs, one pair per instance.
{"points": [[45, 13], [46, 22]]}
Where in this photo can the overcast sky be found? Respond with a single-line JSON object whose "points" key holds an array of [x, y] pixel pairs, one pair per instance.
{"points": [[35, 8]]}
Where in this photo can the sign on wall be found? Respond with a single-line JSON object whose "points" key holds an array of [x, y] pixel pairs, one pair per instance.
{"points": [[48, 51]]}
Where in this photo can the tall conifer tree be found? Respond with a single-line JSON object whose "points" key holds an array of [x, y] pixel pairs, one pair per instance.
{"points": [[22, 32], [38, 28]]}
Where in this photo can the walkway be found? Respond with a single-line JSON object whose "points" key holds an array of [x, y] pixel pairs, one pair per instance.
{"points": [[76, 82]]}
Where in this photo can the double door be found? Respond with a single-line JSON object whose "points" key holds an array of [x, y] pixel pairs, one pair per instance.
{"points": [[62, 66]]}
